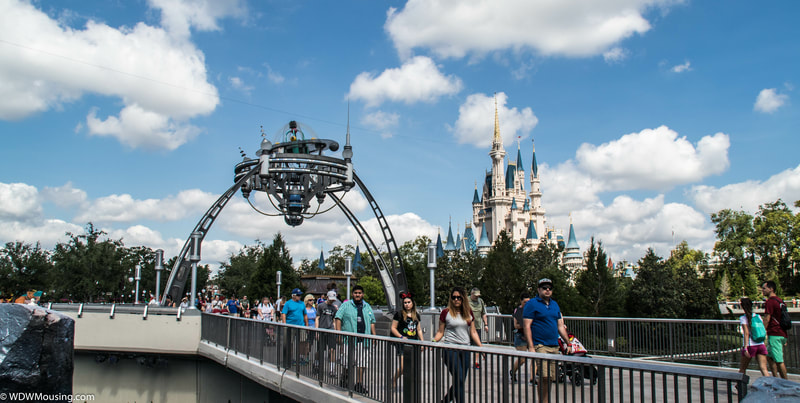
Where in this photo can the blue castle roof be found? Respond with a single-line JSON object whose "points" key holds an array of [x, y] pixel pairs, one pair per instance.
{"points": [[469, 239], [484, 242], [531, 232], [450, 245]]}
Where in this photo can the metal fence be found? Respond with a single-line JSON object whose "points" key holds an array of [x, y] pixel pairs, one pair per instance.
{"points": [[709, 342], [369, 366]]}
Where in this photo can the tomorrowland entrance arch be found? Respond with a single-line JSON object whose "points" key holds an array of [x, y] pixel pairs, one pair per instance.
{"points": [[294, 173]]}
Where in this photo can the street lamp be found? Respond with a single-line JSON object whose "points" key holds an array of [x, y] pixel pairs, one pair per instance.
{"points": [[432, 267], [194, 257], [137, 276], [278, 282], [159, 269], [348, 271]]}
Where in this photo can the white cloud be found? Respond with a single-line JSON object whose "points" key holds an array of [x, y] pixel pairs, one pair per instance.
{"points": [[615, 55], [654, 159], [566, 188], [178, 16], [158, 77], [768, 100], [124, 208], [48, 232], [748, 195], [475, 123], [627, 227], [574, 28], [19, 201], [682, 67], [64, 196], [136, 127], [239, 84], [273, 75], [381, 121], [417, 80]]}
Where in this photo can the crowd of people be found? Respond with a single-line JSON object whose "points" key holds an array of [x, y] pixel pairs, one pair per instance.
{"points": [[538, 327]]}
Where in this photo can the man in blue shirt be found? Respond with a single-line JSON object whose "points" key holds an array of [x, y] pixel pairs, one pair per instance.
{"points": [[356, 316], [294, 311], [542, 324]]}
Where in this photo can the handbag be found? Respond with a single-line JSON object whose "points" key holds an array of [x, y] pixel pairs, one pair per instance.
{"points": [[757, 331]]}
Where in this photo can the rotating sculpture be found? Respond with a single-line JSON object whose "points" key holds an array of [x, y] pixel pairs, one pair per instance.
{"points": [[296, 177]]}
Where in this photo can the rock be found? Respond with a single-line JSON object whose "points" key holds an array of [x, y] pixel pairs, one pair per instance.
{"points": [[769, 389], [36, 347]]}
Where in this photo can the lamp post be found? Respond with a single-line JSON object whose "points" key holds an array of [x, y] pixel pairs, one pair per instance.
{"points": [[194, 257], [348, 271], [137, 275], [159, 269], [432, 267], [278, 282]]}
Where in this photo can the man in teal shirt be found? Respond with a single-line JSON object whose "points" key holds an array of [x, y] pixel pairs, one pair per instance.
{"points": [[356, 316]]}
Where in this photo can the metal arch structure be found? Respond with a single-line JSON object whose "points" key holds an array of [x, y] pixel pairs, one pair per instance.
{"points": [[181, 268], [293, 173]]}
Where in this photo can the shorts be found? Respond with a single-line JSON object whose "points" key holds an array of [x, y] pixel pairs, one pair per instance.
{"points": [[400, 346], [519, 340], [775, 348], [548, 368], [328, 339], [759, 349]]}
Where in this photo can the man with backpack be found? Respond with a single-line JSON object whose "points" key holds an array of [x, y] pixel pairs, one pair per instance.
{"points": [[776, 329]]}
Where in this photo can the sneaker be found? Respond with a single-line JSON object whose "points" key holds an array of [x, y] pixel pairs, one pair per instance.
{"points": [[533, 381], [477, 365], [359, 388], [511, 377]]}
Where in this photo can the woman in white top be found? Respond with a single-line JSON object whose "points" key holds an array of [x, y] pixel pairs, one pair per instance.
{"points": [[750, 347], [265, 310], [457, 326]]}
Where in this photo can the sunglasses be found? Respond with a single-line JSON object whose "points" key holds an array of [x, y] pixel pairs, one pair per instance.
{"points": [[547, 288], [456, 298], [404, 295]]}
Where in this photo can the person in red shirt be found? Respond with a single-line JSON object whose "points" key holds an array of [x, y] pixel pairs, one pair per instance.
{"points": [[776, 336]]}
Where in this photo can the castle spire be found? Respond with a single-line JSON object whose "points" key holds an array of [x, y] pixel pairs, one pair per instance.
{"points": [[497, 140], [534, 166]]}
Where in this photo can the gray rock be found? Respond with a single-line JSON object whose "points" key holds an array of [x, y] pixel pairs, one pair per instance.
{"points": [[36, 347], [769, 389]]}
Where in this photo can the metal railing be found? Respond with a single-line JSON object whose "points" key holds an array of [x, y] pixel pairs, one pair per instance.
{"points": [[709, 342], [369, 366]]}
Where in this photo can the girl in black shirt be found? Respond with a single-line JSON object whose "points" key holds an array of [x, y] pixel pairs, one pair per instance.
{"points": [[405, 325]]}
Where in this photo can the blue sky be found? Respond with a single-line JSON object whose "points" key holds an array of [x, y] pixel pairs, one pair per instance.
{"points": [[647, 115]]}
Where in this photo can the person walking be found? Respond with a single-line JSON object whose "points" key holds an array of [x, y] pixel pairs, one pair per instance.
{"points": [[244, 304], [479, 311], [519, 337], [326, 312], [294, 311], [751, 348], [776, 336], [457, 326], [356, 316], [405, 325], [542, 324]]}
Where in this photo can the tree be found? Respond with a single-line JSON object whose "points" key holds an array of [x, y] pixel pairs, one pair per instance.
{"points": [[24, 267], [598, 286], [88, 268], [697, 294], [373, 290], [652, 294], [773, 242], [734, 237], [504, 278]]}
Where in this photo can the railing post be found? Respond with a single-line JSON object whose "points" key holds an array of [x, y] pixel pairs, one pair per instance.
{"points": [[228, 334], [412, 371], [611, 335], [671, 342]]}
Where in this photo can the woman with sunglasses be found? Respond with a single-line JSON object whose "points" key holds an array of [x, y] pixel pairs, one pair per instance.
{"points": [[457, 326], [405, 325]]}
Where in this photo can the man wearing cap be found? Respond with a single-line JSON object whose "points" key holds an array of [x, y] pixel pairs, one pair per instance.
{"points": [[542, 324], [326, 312], [294, 311], [479, 311], [356, 316]]}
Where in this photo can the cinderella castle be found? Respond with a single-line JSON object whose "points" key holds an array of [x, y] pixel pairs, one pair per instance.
{"points": [[503, 204]]}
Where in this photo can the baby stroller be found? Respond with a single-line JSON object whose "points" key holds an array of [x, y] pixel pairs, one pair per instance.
{"points": [[576, 373]]}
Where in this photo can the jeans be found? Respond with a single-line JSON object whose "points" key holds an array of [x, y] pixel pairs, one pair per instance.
{"points": [[458, 363]]}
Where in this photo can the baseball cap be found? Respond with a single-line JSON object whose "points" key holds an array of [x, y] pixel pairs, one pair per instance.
{"points": [[545, 281], [297, 291], [331, 294]]}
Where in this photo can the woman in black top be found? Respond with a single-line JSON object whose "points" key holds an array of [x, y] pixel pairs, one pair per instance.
{"points": [[405, 325]]}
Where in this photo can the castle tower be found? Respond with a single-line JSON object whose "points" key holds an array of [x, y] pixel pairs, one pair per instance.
{"points": [[537, 212]]}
